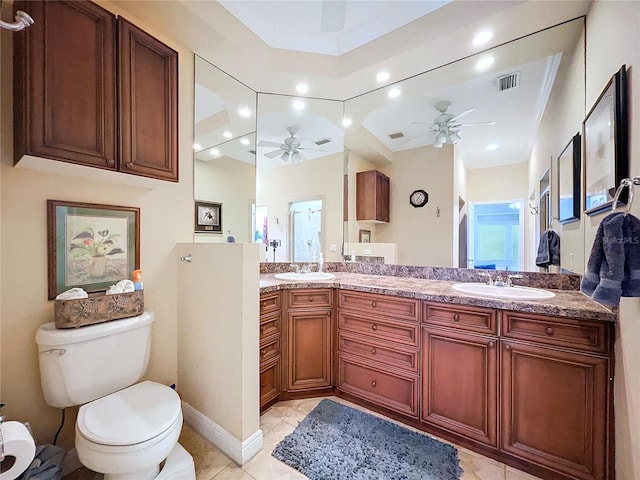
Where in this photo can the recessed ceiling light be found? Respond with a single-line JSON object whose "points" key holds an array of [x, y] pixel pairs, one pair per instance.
{"points": [[227, 134], [382, 76], [484, 63], [244, 141], [481, 38], [197, 146], [302, 88], [244, 112], [214, 152], [492, 146], [394, 92], [346, 122], [298, 105]]}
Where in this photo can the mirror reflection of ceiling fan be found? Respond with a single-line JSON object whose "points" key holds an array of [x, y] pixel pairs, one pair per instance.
{"points": [[446, 125], [289, 149]]}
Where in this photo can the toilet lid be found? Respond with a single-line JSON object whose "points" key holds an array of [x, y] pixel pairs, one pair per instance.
{"points": [[133, 415]]}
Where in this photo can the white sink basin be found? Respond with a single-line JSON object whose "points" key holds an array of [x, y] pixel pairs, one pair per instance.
{"points": [[311, 276], [507, 293]]}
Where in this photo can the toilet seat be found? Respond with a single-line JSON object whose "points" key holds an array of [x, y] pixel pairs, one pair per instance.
{"points": [[131, 416]]}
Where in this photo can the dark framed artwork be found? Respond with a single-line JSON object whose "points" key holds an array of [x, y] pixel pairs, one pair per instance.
{"points": [[208, 217], [91, 246], [569, 180], [364, 236], [606, 156]]}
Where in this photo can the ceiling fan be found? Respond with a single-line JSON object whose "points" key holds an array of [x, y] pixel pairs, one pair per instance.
{"points": [[289, 149], [446, 125]]}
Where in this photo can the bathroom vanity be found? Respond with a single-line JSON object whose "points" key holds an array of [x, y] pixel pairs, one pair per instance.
{"points": [[528, 383]]}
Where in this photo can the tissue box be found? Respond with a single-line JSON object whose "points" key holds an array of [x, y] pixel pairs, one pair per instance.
{"points": [[97, 308]]}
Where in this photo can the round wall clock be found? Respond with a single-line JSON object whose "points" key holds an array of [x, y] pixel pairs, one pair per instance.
{"points": [[418, 198]]}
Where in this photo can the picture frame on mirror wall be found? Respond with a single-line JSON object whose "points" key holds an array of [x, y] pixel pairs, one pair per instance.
{"points": [[605, 146], [569, 180], [90, 246], [208, 217], [364, 236]]}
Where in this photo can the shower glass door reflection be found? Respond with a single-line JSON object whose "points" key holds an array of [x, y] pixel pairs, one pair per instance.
{"points": [[305, 220]]}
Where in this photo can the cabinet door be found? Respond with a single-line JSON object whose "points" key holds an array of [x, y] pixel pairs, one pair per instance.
{"points": [[459, 383], [269, 381], [148, 104], [65, 88], [554, 408], [372, 196], [309, 342]]}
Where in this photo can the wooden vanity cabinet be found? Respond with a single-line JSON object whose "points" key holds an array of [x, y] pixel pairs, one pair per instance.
{"points": [[378, 350], [460, 371], [308, 340], [82, 97], [556, 393], [372, 196], [270, 348]]}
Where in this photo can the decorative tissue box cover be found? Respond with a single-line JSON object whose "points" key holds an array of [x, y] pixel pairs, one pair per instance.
{"points": [[97, 308]]}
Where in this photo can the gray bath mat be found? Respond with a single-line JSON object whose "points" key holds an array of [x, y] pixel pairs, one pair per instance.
{"points": [[336, 442]]}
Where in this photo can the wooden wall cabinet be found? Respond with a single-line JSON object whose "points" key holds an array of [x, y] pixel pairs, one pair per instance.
{"points": [[309, 340], [372, 196], [82, 97]]}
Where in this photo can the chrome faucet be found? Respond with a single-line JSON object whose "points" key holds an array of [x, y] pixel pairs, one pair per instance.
{"points": [[509, 277], [488, 275]]}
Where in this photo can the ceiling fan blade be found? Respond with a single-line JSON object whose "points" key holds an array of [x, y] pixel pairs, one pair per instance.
{"points": [[462, 114], [266, 143], [472, 124], [285, 156], [333, 15], [274, 153]]}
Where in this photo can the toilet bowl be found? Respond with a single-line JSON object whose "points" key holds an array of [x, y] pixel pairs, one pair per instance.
{"points": [[126, 435]]}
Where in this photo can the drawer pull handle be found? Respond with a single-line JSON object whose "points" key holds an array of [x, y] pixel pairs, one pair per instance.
{"points": [[492, 344], [110, 161], [456, 318], [263, 385], [128, 164], [549, 331], [373, 351], [264, 304], [263, 351], [374, 327], [373, 383], [374, 304], [311, 299], [507, 347], [263, 328]]}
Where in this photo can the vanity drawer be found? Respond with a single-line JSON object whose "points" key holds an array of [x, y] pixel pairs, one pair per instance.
{"points": [[588, 335], [310, 298], [400, 308], [269, 325], [393, 390], [269, 302], [405, 358], [269, 349], [382, 328], [269, 381], [471, 319]]}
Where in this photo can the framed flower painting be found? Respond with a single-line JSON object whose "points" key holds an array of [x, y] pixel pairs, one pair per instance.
{"points": [[90, 246]]}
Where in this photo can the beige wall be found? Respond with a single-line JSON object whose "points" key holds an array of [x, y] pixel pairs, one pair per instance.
{"points": [[357, 163], [233, 183], [166, 218], [459, 195], [612, 39], [218, 338], [424, 238], [317, 178]]}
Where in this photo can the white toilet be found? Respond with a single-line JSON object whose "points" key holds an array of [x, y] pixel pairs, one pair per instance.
{"points": [[124, 430]]}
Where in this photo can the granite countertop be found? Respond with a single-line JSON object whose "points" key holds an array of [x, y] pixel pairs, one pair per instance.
{"points": [[566, 303]]}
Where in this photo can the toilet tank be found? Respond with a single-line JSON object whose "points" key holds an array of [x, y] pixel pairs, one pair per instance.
{"points": [[78, 365]]}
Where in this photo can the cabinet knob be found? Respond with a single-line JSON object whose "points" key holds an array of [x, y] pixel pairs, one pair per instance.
{"points": [[373, 383], [264, 304], [373, 351], [456, 317], [263, 385], [310, 298], [262, 352], [374, 327], [128, 165], [507, 347], [549, 331], [111, 161], [263, 328], [374, 304], [492, 344]]}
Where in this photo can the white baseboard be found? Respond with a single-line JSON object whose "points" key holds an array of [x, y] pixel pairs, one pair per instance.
{"points": [[71, 462], [240, 451]]}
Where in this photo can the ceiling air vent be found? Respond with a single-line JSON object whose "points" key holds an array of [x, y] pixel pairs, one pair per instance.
{"points": [[322, 141], [507, 82], [393, 136]]}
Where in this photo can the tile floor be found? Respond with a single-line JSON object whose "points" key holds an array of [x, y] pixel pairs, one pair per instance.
{"points": [[278, 422]]}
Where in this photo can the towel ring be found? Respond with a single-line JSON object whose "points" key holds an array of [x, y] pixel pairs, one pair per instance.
{"points": [[625, 183]]}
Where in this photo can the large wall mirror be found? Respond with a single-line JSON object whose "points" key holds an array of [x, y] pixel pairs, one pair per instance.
{"points": [[224, 154], [300, 180], [476, 136]]}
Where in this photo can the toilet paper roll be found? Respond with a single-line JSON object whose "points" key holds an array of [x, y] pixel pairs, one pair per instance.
{"points": [[18, 446]]}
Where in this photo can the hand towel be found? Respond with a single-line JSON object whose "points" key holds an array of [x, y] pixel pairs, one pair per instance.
{"points": [[72, 293], [548, 249], [611, 272], [631, 235]]}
